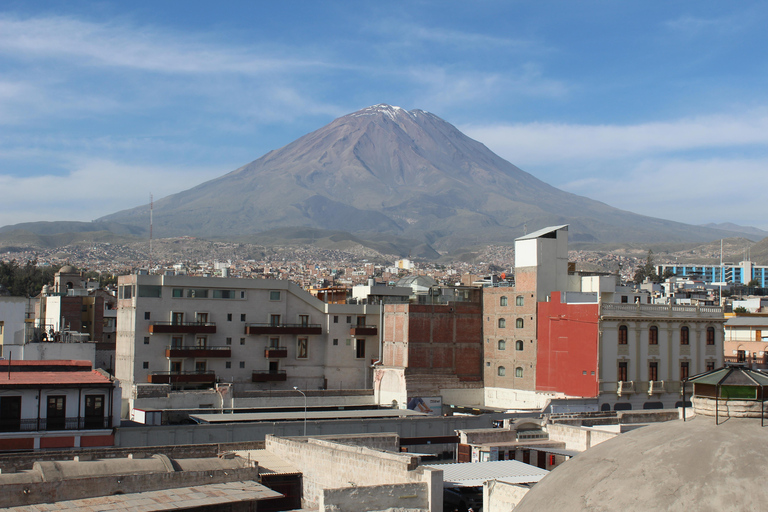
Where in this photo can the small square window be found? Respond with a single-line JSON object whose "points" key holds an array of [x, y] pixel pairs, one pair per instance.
{"points": [[349, 319], [242, 341], [228, 364], [146, 340], [242, 317], [349, 342], [335, 341], [178, 292], [229, 317], [229, 341], [145, 365], [242, 364], [274, 295], [336, 319], [146, 315]]}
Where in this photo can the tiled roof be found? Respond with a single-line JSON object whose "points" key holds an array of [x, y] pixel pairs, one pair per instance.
{"points": [[51, 378]]}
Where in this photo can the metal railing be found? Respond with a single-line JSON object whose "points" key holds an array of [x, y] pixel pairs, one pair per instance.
{"points": [[34, 424]]}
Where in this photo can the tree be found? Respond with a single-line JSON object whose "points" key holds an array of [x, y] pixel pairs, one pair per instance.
{"points": [[648, 270], [740, 309], [27, 280]]}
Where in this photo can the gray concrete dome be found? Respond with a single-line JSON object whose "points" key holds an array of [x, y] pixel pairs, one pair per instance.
{"points": [[676, 465]]}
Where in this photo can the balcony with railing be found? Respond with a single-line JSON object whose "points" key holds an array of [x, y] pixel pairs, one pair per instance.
{"points": [[198, 351], [656, 386], [275, 352], [363, 330], [269, 376], [181, 377], [625, 387], [277, 328], [37, 424], [182, 328]]}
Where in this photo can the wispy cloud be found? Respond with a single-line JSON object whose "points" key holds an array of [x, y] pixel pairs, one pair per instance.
{"points": [[544, 143], [142, 48], [92, 189]]}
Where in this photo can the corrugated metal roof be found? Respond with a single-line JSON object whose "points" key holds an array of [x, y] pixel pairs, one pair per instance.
{"points": [[299, 415], [544, 231], [746, 321], [473, 474], [207, 495]]}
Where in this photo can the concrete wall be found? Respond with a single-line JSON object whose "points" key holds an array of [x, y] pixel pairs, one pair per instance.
{"points": [[501, 496], [328, 465], [577, 438], [518, 398], [63, 351], [379, 497], [238, 432]]}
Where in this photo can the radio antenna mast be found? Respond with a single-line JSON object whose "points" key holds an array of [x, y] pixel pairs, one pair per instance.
{"points": [[151, 208]]}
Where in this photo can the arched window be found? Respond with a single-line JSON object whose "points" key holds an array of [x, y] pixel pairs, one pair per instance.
{"points": [[519, 371], [519, 300], [519, 345], [684, 339], [502, 323], [502, 301], [502, 371], [653, 335], [519, 323], [623, 334], [502, 345], [710, 335]]}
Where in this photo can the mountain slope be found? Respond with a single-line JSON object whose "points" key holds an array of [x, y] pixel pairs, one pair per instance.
{"points": [[387, 170]]}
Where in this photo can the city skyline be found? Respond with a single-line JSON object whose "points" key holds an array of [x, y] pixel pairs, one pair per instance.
{"points": [[655, 108]]}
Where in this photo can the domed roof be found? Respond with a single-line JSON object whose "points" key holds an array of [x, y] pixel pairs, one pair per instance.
{"points": [[67, 269], [675, 465]]}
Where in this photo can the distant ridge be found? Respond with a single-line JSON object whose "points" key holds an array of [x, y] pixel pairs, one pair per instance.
{"points": [[395, 176]]}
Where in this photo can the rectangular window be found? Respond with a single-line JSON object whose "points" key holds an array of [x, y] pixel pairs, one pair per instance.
{"points": [[274, 320], [242, 341], [201, 366], [175, 366], [223, 294], [624, 299], [349, 341], [304, 320], [10, 413], [623, 335], [178, 293], [94, 411], [349, 319], [623, 371], [336, 319], [177, 318], [146, 315], [274, 295], [56, 413], [360, 349], [274, 342], [229, 317], [242, 295], [653, 335], [335, 341], [242, 317], [146, 340], [302, 349], [684, 370], [684, 336], [177, 341], [228, 364], [710, 335], [197, 293], [146, 290], [229, 341], [653, 371], [519, 300], [242, 364], [145, 365], [125, 292], [201, 341], [710, 365], [201, 318]]}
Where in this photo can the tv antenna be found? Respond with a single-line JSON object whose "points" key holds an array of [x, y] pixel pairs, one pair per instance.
{"points": [[151, 208]]}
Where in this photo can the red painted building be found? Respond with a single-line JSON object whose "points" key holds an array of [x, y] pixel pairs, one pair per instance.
{"points": [[567, 353]]}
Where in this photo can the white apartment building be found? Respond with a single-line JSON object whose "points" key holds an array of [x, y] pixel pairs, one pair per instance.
{"points": [[257, 334]]}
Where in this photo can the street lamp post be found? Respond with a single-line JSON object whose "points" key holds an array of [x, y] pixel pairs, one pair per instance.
{"points": [[305, 409]]}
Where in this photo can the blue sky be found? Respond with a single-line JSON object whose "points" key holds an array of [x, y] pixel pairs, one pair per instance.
{"points": [[658, 107]]}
